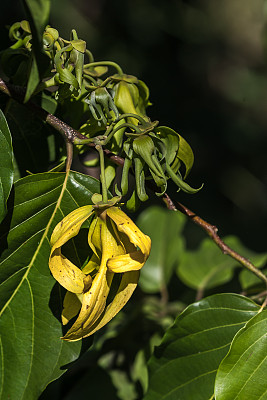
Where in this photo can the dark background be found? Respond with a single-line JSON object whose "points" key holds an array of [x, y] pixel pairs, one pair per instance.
{"points": [[205, 64]]}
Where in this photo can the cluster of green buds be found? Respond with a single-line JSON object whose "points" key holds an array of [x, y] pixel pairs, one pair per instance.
{"points": [[114, 110], [114, 118]]}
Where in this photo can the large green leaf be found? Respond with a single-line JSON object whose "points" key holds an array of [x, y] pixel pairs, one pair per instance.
{"points": [[37, 12], [208, 267], [32, 352], [242, 374], [164, 228], [184, 366], [6, 164], [30, 139]]}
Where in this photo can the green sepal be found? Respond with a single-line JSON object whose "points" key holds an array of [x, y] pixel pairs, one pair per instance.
{"points": [[63, 74], [101, 101], [125, 175], [110, 172], [133, 203], [185, 154], [115, 144], [97, 71], [145, 147], [177, 148], [140, 178], [143, 101], [171, 141], [79, 45], [50, 36], [180, 183]]}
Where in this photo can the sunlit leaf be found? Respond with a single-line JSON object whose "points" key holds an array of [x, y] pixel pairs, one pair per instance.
{"points": [[31, 350], [184, 366], [242, 374], [6, 164]]}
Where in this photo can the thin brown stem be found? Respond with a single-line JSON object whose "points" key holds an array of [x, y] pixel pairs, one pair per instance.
{"points": [[212, 230], [69, 134], [17, 93]]}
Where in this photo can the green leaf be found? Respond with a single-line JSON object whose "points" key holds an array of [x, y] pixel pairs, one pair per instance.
{"points": [[208, 267], [164, 228], [33, 79], [185, 154], [37, 12], [246, 278], [29, 135], [242, 374], [32, 352], [184, 366], [6, 164]]}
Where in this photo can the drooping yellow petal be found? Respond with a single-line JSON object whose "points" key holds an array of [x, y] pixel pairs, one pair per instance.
{"points": [[94, 301], [93, 264], [127, 262], [71, 306], [126, 225], [135, 257], [66, 273], [70, 226], [63, 270], [127, 286]]}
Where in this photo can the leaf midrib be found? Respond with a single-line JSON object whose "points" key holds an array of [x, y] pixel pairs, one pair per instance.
{"points": [[40, 244]]}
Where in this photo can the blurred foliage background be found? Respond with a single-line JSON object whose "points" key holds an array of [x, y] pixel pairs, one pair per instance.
{"points": [[205, 64]]}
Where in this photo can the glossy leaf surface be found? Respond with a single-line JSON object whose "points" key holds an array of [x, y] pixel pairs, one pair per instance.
{"points": [[6, 164], [32, 352], [242, 374], [184, 366]]}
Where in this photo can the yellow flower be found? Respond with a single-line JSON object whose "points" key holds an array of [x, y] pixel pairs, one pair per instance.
{"points": [[118, 246]]}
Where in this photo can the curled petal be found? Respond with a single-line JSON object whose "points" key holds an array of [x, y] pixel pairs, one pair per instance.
{"points": [[134, 260], [127, 286], [63, 270], [127, 262], [71, 306], [94, 301], [70, 226], [66, 273]]}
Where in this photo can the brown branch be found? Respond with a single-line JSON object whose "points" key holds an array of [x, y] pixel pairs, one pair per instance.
{"points": [[212, 230], [69, 134]]}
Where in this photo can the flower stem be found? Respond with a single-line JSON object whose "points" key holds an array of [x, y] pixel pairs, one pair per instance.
{"points": [[110, 63], [102, 173]]}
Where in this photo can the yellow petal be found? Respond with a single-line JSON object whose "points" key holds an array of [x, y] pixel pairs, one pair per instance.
{"points": [[63, 270], [93, 264], [126, 225], [127, 286], [70, 226], [128, 262], [94, 239], [94, 301], [66, 273], [134, 260], [71, 306]]}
